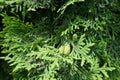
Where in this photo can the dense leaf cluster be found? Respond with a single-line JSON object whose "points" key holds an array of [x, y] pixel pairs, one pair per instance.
{"points": [[61, 39]]}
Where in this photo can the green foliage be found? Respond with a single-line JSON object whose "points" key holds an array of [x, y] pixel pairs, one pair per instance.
{"points": [[36, 29]]}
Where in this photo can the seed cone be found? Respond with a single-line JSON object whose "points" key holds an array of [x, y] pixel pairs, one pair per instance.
{"points": [[67, 49], [61, 49]]}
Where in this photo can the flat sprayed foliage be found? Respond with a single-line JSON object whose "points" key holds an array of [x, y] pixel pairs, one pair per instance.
{"points": [[61, 39]]}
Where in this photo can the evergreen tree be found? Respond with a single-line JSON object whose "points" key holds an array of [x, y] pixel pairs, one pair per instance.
{"points": [[61, 39]]}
